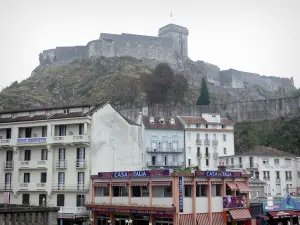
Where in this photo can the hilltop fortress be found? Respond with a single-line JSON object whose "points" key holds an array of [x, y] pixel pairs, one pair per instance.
{"points": [[171, 46]]}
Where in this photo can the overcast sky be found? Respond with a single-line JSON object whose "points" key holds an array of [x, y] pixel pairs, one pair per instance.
{"points": [[260, 36]]}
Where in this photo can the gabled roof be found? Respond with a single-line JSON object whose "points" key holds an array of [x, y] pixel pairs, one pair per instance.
{"points": [[165, 126], [266, 152]]}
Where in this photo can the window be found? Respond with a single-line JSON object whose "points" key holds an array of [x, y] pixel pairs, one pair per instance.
{"points": [[28, 132], [189, 162], [7, 185], [62, 130], [27, 155], [8, 133], [140, 191], [277, 174], [81, 129], [198, 136], [201, 191], [80, 180], [188, 125], [216, 190], [102, 191], [66, 111], [206, 136], [44, 154], [288, 162], [225, 151], [120, 191], [214, 137], [206, 125], [207, 162], [227, 162], [80, 200], [26, 178], [189, 149], [266, 175], [42, 199], [153, 160], [232, 161], [9, 157], [60, 200], [198, 151], [223, 126], [189, 136], [224, 137], [187, 191], [197, 125], [25, 199], [265, 161], [61, 180], [298, 174], [198, 162], [206, 152], [43, 177], [288, 175], [44, 131], [80, 158], [240, 160], [168, 191], [276, 161]]}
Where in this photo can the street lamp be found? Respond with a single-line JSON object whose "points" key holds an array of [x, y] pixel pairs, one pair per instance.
{"points": [[128, 222]]}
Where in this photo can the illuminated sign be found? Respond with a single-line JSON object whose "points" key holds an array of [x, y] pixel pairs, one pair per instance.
{"points": [[180, 181], [217, 174], [31, 140], [140, 173], [130, 211]]}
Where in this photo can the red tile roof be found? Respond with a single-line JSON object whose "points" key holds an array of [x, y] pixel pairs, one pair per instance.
{"points": [[166, 125]]}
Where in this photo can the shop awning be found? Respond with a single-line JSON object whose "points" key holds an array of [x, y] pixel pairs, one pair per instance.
{"points": [[240, 214], [202, 218], [217, 182], [283, 214], [101, 184], [243, 187], [186, 219], [161, 183], [218, 219], [232, 186], [188, 182], [202, 182], [118, 184], [139, 183]]}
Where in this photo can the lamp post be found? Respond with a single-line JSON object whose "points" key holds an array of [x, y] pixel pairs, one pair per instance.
{"points": [[129, 222]]}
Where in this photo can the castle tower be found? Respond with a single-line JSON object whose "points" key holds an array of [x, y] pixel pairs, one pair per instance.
{"points": [[179, 35]]}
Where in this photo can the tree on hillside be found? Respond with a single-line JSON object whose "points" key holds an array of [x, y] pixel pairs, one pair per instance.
{"points": [[204, 98], [163, 86]]}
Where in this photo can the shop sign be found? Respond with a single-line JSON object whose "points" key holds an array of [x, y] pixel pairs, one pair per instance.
{"points": [[217, 174], [234, 202], [130, 211], [140, 173], [31, 140], [180, 181]]}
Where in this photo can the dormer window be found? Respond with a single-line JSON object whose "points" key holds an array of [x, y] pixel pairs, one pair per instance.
{"points": [[172, 121], [206, 125], [198, 125], [66, 111], [161, 121], [31, 114], [151, 119], [14, 115]]}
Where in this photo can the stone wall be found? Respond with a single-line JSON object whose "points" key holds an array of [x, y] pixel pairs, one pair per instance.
{"points": [[238, 112]]}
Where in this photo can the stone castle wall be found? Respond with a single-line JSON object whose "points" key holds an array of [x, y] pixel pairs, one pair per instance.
{"points": [[238, 112]]}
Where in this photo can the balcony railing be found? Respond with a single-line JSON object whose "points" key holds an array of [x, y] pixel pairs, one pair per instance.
{"points": [[236, 166], [215, 142], [70, 139], [199, 155], [165, 150], [206, 142], [28, 186], [288, 178], [5, 142], [61, 186], [62, 164], [6, 186], [278, 180], [8, 165], [215, 155], [207, 155], [163, 164], [198, 141], [266, 178], [73, 210], [80, 163], [33, 164], [41, 185]]}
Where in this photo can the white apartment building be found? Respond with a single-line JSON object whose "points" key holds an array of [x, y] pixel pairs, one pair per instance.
{"points": [[207, 138], [277, 168], [48, 155], [163, 143]]}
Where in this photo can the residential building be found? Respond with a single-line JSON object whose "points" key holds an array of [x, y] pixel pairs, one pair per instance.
{"points": [[277, 168], [257, 187], [163, 142], [47, 155], [207, 138], [163, 197]]}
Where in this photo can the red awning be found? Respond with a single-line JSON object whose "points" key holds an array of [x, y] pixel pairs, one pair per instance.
{"points": [[217, 182], [218, 219], [240, 214], [232, 186], [243, 187], [99, 184], [118, 184], [139, 183], [202, 218], [186, 219], [202, 182], [161, 183], [283, 214], [188, 182]]}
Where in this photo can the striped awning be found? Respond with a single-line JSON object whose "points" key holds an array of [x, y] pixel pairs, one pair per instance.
{"points": [[240, 214], [218, 219], [202, 182], [99, 184], [232, 186], [242, 187], [161, 183], [217, 182], [202, 218], [186, 219], [139, 183], [119, 184], [188, 182]]}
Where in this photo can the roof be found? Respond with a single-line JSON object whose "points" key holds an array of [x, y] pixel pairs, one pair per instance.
{"points": [[201, 120], [256, 181], [166, 125], [267, 152]]}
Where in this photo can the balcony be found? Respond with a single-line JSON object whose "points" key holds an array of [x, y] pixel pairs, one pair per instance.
{"points": [[8, 165], [70, 139], [166, 165], [251, 165], [215, 142], [207, 142], [266, 178], [215, 155], [288, 178], [236, 166], [76, 211], [33, 164], [61, 164], [278, 180], [5, 142], [198, 142], [199, 155], [5, 186], [80, 163], [70, 187], [207, 155], [165, 150], [27, 186], [41, 186], [32, 141]]}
